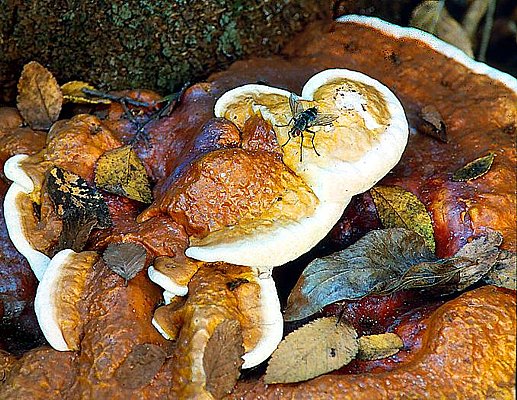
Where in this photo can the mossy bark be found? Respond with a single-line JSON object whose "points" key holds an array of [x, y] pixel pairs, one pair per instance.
{"points": [[157, 44]]}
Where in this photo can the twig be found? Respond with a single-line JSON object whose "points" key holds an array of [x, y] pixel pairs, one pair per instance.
{"points": [[487, 30], [473, 16], [441, 6], [118, 99], [172, 100]]}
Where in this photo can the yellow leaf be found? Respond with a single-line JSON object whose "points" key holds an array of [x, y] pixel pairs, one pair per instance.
{"points": [[375, 347], [120, 171], [73, 93], [398, 208], [39, 96], [321, 346]]}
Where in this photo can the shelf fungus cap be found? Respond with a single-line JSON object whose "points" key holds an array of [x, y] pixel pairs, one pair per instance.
{"points": [[58, 296], [249, 297], [14, 213], [362, 135]]}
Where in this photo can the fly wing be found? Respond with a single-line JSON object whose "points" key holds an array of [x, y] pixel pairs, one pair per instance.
{"points": [[296, 106], [323, 119]]}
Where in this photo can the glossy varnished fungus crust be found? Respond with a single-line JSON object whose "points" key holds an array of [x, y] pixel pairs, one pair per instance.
{"points": [[466, 348], [363, 139]]}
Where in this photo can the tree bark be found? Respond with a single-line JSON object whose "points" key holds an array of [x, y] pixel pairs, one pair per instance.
{"points": [[143, 43]]}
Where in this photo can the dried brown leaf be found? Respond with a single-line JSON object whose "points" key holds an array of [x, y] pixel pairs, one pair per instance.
{"points": [[73, 93], [375, 347], [386, 261], [398, 208], [355, 272], [475, 169], [321, 346], [473, 16], [39, 96], [504, 271], [432, 124], [222, 359], [432, 16], [140, 366], [120, 171], [80, 206], [449, 275], [125, 259]]}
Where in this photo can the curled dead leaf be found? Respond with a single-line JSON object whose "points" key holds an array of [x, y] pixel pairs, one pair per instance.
{"points": [[321, 346], [432, 123], [386, 261], [73, 92], [355, 271], [120, 171], [398, 208], [503, 274], [39, 96]]}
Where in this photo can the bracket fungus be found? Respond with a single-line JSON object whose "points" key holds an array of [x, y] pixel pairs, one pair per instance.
{"points": [[348, 156], [289, 203], [22, 186], [257, 187]]}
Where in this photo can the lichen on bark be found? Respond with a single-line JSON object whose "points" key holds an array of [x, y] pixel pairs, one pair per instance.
{"points": [[155, 44]]}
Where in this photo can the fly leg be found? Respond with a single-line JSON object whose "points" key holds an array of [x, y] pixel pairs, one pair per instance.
{"points": [[288, 139], [301, 146], [312, 141], [283, 126]]}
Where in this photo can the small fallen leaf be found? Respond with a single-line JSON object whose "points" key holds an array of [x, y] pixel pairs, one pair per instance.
{"points": [[398, 208], [121, 172], [80, 206], [504, 271], [39, 96], [73, 93], [432, 124], [222, 358], [375, 347], [321, 346], [432, 16], [386, 261], [475, 169], [125, 259], [140, 366]]}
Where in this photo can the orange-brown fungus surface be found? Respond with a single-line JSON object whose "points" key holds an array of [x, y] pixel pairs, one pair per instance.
{"points": [[468, 349], [258, 134], [180, 268], [225, 186], [70, 290], [212, 299]]}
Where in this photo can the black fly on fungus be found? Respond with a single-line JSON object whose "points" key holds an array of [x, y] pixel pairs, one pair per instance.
{"points": [[302, 120]]}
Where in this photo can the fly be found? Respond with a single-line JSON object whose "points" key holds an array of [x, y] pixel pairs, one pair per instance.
{"points": [[302, 120]]}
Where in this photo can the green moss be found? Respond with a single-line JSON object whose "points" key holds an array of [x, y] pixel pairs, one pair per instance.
{"points": [[157, 44]]}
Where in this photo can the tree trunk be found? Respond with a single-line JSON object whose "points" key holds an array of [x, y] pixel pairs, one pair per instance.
{"points": [[143, 43]]}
